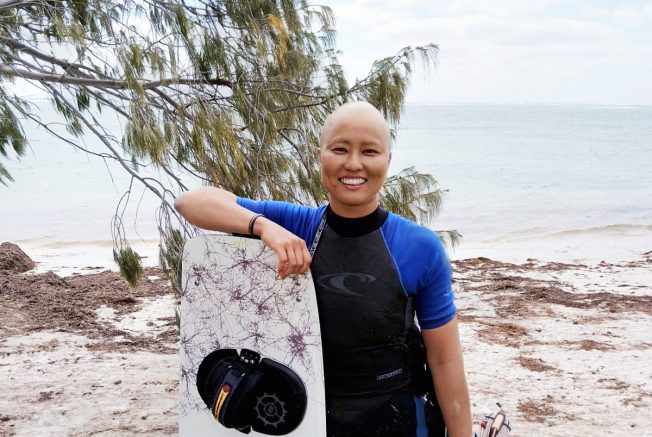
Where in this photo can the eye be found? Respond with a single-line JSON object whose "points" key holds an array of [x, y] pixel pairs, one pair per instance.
{"points": [[371, 152], [338, 150]]}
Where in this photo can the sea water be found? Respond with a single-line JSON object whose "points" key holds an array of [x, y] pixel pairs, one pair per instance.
{"points": [[560, 182], [554, 182]]}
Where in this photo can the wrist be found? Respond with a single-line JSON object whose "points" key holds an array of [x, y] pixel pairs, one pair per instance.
{"points": [[259, 225], [252, 222]]}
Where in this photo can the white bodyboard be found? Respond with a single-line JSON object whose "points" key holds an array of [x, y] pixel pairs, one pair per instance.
{"points": [[232, 298]]}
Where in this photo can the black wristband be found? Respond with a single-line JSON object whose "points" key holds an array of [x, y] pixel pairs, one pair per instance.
{"points": [[252, 222]]}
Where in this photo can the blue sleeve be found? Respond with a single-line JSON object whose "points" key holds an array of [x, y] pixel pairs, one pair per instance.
{"points": [[301, 220], [424, 270], [434, 302]]}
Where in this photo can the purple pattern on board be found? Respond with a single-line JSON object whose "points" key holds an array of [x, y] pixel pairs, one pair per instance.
{"points": [[232, 298]]}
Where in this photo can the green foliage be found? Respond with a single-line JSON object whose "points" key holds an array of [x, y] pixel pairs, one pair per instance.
{"points": [[233, 93], [143, 137], [129, 263], [413, 195], [170, 257], [11, 135]]}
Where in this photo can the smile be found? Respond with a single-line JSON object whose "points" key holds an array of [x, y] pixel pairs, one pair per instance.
{"points": [[353, 181]]}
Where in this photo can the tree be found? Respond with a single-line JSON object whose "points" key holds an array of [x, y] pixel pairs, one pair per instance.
{"points": [[231, 92]]}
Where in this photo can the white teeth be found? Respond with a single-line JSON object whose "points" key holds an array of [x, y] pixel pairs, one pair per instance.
{"points": [[353, 181]]}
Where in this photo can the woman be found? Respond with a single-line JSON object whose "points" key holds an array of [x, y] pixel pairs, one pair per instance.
{"points": [[373, 271]]}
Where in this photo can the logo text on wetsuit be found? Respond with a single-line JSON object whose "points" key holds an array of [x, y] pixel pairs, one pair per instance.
{"points": [[389, 375]]}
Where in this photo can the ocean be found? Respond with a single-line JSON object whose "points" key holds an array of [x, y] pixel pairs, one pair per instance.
{"points": [[552, 182], [558, 182]]}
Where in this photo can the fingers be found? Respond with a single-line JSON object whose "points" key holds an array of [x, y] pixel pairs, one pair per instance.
{"points": [[307, 259], [282, 263], [291, 251], [290, 265], [294, 259], [302, 257]]}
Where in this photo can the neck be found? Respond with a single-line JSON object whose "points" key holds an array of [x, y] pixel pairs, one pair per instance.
{"points": [[357, 226], [353, 212]]}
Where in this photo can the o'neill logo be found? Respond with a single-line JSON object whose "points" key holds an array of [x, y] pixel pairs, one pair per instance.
{"points": [[389, 375], [337, 282]]}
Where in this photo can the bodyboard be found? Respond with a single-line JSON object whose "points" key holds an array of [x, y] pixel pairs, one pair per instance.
{"points": [[231, 298]]}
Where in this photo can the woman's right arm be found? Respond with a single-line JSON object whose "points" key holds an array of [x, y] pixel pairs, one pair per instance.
{"points": [[218, 210]]}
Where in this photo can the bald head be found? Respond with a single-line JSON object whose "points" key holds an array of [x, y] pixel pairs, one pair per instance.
{"points": [[357, 113]]}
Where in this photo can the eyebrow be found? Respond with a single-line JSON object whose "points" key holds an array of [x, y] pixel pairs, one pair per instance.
{"points": [[348, 143]]}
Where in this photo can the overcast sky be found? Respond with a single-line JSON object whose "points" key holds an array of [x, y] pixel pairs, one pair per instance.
{"points": [[538, 51], [505, 51]]}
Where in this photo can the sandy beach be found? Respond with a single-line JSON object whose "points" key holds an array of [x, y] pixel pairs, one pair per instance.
{"points": [[564, 347]]}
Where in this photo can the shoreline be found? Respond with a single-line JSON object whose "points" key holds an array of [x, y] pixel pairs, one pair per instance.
{"points": [[66, 257], [564, 347]]}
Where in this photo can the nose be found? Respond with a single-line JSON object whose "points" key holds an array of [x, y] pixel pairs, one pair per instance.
{"points": [[353, 162]]}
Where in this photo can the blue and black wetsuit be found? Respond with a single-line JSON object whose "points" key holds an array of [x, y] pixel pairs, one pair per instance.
{"points": [[372, 275]]}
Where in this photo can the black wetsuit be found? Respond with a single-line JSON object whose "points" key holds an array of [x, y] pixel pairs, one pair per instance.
{"points": [[374, 364]]}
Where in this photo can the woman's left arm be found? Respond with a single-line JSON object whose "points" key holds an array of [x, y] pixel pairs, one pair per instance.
{"points": [[447, 367]]}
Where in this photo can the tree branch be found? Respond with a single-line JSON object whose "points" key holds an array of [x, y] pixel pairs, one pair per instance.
{"points": [[103, 83], [106, 143], [7, 4], [69, 66]]}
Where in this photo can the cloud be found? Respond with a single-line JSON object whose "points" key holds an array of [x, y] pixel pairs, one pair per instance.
{"points": [[573, 50], [632, 14], [383, 25], [416, 8]]}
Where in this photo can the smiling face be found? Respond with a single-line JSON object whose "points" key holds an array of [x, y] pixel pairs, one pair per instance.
{"points": [[354, 158]]}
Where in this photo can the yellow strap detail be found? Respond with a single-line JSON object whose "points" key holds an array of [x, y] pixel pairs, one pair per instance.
{"points": [[220, 401]]}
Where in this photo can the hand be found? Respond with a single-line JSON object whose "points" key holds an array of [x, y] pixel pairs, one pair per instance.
{"points": [[292, 253]]}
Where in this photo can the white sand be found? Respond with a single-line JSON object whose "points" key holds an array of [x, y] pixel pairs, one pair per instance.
{"points": [[81, 257], [55, 386], [595, 376], [605, 390]]}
